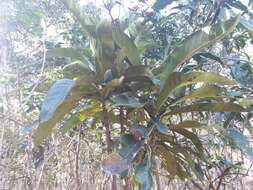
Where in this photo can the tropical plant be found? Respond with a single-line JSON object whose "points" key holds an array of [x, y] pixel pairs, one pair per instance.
{"points": [[148, 111]]}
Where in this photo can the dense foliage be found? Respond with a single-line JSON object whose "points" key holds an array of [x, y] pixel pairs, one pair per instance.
{"points": [[145, 85]]}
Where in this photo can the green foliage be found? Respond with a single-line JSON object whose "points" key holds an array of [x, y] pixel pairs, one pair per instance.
{"points": [[118, 85]]}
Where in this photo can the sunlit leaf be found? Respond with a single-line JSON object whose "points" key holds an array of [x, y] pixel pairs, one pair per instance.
{"points": [[178, 79], [203, 92]]}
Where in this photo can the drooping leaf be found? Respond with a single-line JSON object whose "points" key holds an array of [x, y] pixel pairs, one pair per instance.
{"points": [[124, 42], [142, 174], [240, 140], [127, 101], [178, 79], [196, 42], [114, 164], [211, 107], [170, 161], [194, 138]]}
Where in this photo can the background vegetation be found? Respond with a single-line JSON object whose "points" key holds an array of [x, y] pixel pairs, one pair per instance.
{"points": [[126, 94]]}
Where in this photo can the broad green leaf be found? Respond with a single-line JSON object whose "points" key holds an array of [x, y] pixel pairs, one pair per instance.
{"points": [[142, 174], [76, 69], [127, 101], [203, 92], [196, 42], [56, 95], [62, 97], [114, 164], [187, 124], [211, 107], [240, 140], [124, 42], [178, 79]]}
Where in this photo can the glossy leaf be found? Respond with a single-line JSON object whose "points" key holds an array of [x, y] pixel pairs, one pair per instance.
{"points": [[62, 97], [178, 79], [55, 97], [124, 42], [196, 42]]}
